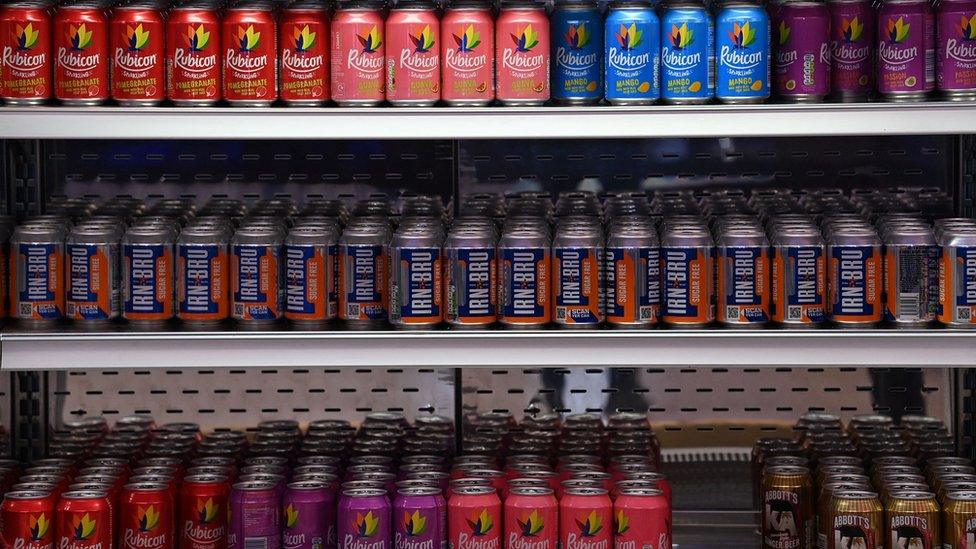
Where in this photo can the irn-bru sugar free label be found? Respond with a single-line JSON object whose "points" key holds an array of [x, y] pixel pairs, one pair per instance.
{"points": [[852, 48], [147, 275], [524, 280], [92, 293], [472, 293], [687, 279], [799, 279], [522, 56], [362, 280], [633, 285], [38, 271], [957, 288], [577, 51], [358, 54], [802, 47], [632, 38], [413, 67], [906, 49], [332, 286], [202, 275], [576, 285], [956, 47], [742, 44], [306, 274], [255, 278], [743, 289], [25, 44], [687, 53], [417, 291], [855, 284]]}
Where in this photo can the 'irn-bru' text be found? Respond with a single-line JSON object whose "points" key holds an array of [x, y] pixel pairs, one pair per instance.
{"points": [[38, 287], [685, 283], [421, 285], [147, 278], [200, 275], [856, 281]]}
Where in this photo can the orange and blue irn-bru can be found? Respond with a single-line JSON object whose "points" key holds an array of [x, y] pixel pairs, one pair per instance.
{"points": [[577, 268], [37, 273], [957, 277], [854, 274], [92, 276], [687, 256], [799, 284], [633, 274], [308, 274], [363, 292], [908, 260], [203, 274], [255, 274], [147, 273], [470, 274], [416, 269], [523, 276], [743, 277]]}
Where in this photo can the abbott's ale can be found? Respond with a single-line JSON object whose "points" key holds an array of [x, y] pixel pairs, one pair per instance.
{"points": [[855, 519], [202, 275], [743, 277], [523, 278], [193, 71], [577, 256], [37, 273], [363, 291], [799, 276], [416, 268], [470, 285], [854, 275], [147, 273], [93, 284], [912, 520], [308, 274], [959, 520], [255, 274], [137, 36], [26, 67], [957, 278], [633, 276], [686, 274], [787, 507]]}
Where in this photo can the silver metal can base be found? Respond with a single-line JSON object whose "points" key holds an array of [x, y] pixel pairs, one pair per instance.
{"points": [[468, 102], [250, 103], [83, 102], [686, 100], [412, 103], [522, 102], [959, 95], [576, 102], [909, 97], [140, 102], [359, 103], [742, 100], [195, 102], [631, 102], [24, 101], [848, 97], [303, 102], [804, 99]]}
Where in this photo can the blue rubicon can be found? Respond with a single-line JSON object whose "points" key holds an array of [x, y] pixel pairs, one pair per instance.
{"points": [[577, 55], [687, 53], [632, 62], [742, 52]]}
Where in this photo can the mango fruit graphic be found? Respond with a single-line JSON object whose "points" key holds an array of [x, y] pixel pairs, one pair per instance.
{"points": [[695, 86], [591, 87], [539, 88], [644, 87], [911, 81], [757, 85], [791, 84], [481, 87], [863, 80]]}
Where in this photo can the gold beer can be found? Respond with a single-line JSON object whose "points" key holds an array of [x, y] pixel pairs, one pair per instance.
{"points": [[912, 520], [959, 518], [854, 521], [787, 507]]}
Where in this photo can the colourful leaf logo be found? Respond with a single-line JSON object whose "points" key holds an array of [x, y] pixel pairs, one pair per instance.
{"points": [[304, 39], [851, 30], [621, 523], [80, 37], [897, 30], [291, 514], [468, 40], [206, 511], [196, 38], [577, 36], [591, 526], [424, 41], [784, 32], [414, 524], [531, 524], [148, 518], [370, 41], [526, 39], [83, 526], [26, 36], [138, 38], [681, 37], [248, 39], [629, 37], [967, 27], [742, 35], [366, 525], [38, 526], [480, 524]]}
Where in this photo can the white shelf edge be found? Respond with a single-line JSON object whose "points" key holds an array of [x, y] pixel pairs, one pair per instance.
{"points": [[51, 122]]}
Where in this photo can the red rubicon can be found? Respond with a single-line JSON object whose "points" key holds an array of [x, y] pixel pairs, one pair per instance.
{"points": [[531, 518], [303, 53], [474, 518], [193, 73], [81, 76], [203, 512], [585, 517], [250, 52], [25, 44], [641, 518], [146, 516], [26, 518], [83, 520], [137, 37]]}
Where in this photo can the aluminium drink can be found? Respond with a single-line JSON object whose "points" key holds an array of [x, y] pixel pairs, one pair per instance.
{"points": [[633, 276], [358, 54], [787, 507], [27, 517], [912, 520], [687, 53], [416, 268], [687, 263], [202, 275], [908, 275], [802, 49], [742, 52], [474, 517], [256, 274], [146, 516], [81, 74], [421, 518], [743, 277], [585, 518], [309, 275], [467, 78], [522, 53], [249, 37], [906, 50], [577, 52], [363, 274], [193, 70], [531, 517], [26, 68], [137, 34], [413, 63], [93, 284], [84, 519], [959, 519], [470, 277], [955, 73], [799, 284], [577, 268], [854, 276], [641, 515], [303, 53], [364, 516], [147, 273], [255, 515], [852, 49], [855, 518], [309, 516], [957, 278], [523, 278], [632, 46]]}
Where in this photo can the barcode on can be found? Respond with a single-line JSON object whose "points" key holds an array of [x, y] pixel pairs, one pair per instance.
{"points": [[908, 306], [352, 310], [26, 309], [794, 312], [255, 543], [964, 313]]}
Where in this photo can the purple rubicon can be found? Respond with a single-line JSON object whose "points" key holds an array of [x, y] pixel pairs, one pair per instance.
{"points": [[906, 50], [421, 519], [309, 520], [255, 516], [852, 49], [801, 41], [955, 74], [364, 519]]}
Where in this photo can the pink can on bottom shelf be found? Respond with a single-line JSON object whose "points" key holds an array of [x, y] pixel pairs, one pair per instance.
{"points": [[522, 53], [358, 54], [413, 65], [467, 54]]}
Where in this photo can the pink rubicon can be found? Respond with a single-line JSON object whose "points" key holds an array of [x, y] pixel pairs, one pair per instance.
{"points": [[303, 53], [585, 516], [468, 54], [474, 518], [358, 54], [250, 46], [641, 518], [522, 53], [531, 518], [81, 49], [413, 60]]}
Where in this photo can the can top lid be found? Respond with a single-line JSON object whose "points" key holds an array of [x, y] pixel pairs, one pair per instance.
{"points": [[912, 494], [27, 494], [307, 485], [586, 491], [146, 486], [84, 494], [206, 479], [418, 490], [856, 494], [474, 490], [364, 492], [254, 484], [960, 495], [643, 492]]}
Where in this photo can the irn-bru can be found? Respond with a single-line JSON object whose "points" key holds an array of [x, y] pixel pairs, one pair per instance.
{"points": [[686, 275], [193, 71], [249, 36], [799, 283], [421, 518], [577, 268], [802, 49], [687, 53], [37, 273], [468, 77], [633, 276], [854, 275], [470, 277], [522, 53], [908, 273], [202, 275], [358, 54], [84, 520], [81, 73], [577, 52], [364, 516], [413, 64], [303, 53], [852, 49], [93, 284], [26, 71], [308, 275], [742, 52], [632, 46], [585, 518], [743, 277], [523, 278], [957, 278], [416, 267], [203, 512], [474, 516], [255, 274], [955, 73], [641, 515], [531, 517], [906, 50], [147, 273], [363, 287], [137, 36]]}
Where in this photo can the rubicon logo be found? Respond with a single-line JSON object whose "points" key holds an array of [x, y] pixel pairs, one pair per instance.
{"points": [[76, 61], [244, 62], [21, 61], [418, 62], [190, 61], [961, 51], [518, 61], [296, 62], [465, 61], [133, 62], [367, 62]]}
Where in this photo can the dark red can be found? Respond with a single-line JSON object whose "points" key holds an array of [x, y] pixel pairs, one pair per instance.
{"points": [[146, 513], [303, 53], [138, 35], [203, 512], [81, 76], [250, 54], [25, 44], [26, 518], [193, 72], [83, 520]]}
